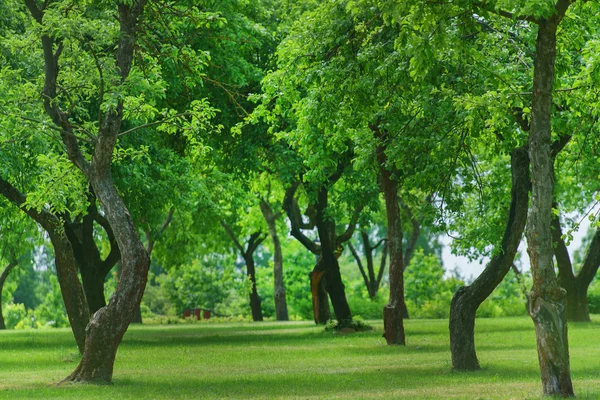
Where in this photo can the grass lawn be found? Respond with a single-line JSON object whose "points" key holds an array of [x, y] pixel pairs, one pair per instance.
{"points": [[295, 360]]}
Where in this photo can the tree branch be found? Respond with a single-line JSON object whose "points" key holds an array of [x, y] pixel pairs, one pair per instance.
{"points": [[232, 236], [293, 212], [360, 265]]}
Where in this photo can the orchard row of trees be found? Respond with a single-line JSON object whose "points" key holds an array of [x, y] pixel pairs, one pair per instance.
{"points": [[150, 130]]}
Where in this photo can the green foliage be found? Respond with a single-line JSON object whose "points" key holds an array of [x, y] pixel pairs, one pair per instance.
{"points": [[427, 292], [210, 284], [508, 299], [356, 324], [13, 314], [52, 310]]}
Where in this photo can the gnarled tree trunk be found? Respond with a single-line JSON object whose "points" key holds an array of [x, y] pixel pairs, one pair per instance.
{"points": [[467, 299]]}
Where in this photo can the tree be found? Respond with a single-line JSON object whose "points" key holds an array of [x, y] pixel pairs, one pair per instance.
{"points": [[247, 252]]}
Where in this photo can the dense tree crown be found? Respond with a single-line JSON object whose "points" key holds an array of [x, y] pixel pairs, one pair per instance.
{"points": [[298, 160]]}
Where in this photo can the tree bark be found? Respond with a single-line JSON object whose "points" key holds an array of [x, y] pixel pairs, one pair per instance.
{"points": [[393, 324], [3, 278], [467, 300], [547, 298], [281, 311]]}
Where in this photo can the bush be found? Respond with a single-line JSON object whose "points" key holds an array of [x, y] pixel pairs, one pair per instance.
{"points": [[357, 324], [13, 314]]}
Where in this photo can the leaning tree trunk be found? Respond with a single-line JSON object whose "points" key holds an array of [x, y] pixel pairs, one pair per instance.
{"points": [[255, 303], [467, 299], [66, 265], [3, 278], [547, 298], [108, 325]]}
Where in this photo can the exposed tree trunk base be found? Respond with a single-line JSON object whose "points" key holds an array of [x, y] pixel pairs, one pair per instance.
{"points": [[549, 317], [101, 348], [393, 328], [462, 333]]}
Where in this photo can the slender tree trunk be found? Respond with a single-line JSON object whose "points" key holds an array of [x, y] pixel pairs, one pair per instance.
{"points": [[255, 303], [281, 311], [393, 324], [467, 299], [3, 277], [547, 298]]}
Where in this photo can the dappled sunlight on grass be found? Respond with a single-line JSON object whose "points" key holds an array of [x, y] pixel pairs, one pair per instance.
{"points": [[295, 360]]}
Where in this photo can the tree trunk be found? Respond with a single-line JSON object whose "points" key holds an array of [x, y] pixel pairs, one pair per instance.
{"points": [[255, 303], [577, 304], [467, 300], [3, 277], [547, 298], [108, 325], [66, 264], [281, 311], [576, 300], [393, 324], [137, 316], [93, 286], [329, 263]]}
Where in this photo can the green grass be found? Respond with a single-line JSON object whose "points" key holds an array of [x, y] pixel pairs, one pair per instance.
{"points": [[295, 360]]}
